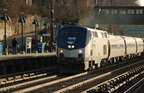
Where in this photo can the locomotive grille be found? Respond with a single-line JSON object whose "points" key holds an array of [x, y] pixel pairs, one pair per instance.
{"points": [[61, 55], [80, 55]]}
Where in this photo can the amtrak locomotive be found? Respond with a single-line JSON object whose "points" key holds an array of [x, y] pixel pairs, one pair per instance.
{"points": [[81, 48]]}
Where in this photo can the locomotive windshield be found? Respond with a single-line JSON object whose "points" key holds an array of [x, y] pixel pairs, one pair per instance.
{"points": [[74, 33]]}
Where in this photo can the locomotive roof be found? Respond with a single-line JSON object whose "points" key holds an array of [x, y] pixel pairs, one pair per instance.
{"points": [[86, 28]]}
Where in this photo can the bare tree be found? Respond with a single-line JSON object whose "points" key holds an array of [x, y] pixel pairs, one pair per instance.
{"points": [[13, 6], [72, 10]]}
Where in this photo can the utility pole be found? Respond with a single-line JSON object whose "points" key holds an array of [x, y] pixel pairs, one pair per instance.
{"points": [[51, 25], [51, 20]]}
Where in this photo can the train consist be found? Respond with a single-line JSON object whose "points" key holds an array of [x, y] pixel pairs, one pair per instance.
{"points": [[81, 48]]}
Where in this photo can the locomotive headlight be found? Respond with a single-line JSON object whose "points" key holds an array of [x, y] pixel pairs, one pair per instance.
{"points": [[61, 51], [72, 46], [69, 46], [80, 51]]}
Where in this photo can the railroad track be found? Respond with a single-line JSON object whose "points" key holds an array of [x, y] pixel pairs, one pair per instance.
{"points": [[103, 83], [135, 87], [115, 84], [10, 79], [70, 84]]}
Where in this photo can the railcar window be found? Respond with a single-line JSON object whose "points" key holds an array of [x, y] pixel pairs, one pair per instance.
{"points": [[131, 45], [79, 33], [139, 11], [114, 46], [105, 35], [114, 11], [105, 11], [121, 45], [65, 32], [122, 11], [62, 33], [91, 52], [76, 33], [104, 49], [95, 34], [130, 11], [141, 45]]}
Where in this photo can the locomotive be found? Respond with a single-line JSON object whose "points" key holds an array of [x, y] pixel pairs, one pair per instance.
{"points": [[81, 48]]}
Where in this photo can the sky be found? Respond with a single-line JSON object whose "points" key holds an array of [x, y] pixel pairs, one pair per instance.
{"points": [[141, 2]]}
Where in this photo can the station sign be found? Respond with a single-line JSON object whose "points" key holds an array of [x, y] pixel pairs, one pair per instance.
{"points": [[1, 48], [45, 34]]}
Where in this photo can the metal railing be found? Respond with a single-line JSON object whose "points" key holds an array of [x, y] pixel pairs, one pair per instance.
{"points": [[34, 49]]}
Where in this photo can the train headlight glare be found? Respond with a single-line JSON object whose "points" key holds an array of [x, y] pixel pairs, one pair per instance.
{"points": [[80, 51], [61, 51], [72, 46], [69, 46]]}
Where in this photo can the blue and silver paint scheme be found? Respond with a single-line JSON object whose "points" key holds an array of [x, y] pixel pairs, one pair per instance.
{"points": [[71, 42]]}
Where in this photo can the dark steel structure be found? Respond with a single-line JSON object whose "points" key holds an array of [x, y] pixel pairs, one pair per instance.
{"points": [[22, 21], [119, 15], [134, 31]]}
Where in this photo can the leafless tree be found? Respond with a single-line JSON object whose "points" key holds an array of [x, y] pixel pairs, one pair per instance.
{"points": [[72, 10]]}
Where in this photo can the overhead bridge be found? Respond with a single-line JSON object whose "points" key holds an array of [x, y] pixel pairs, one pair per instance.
{"points": [[119, 15], [134, 31]]}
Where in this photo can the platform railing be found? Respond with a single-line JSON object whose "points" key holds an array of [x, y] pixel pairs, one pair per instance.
{"points": [[47, 49]]}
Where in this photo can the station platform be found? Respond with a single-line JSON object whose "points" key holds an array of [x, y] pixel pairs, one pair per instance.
{"points": [[29, 55], [10, 64]]}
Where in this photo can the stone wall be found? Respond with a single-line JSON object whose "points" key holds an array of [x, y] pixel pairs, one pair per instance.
{"points": [[15, 28]]}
